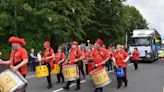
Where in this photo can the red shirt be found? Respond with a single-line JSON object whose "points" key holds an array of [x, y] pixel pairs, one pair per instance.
{"points": [[59, 57], [88, 55], [120, 57], [75, 54], [99, 56], [48, 53], [135, 55], [17, 56]]}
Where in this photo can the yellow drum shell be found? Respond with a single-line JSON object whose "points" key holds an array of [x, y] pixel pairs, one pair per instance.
{"points": [[100, 77], [70, 72], [56, 69], [41, 71]]}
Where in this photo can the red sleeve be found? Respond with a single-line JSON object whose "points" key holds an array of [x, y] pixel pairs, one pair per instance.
{"points": [[125, 54], [52, 51], [80, 53], [24, 54]]}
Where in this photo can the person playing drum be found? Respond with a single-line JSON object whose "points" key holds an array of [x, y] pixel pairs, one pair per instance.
{"points": [[74, 57], [49, 61], [18, 57], [121, 59], [100, 56], [59, 59]]}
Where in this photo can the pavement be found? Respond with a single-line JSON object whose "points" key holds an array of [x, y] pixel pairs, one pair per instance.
{"points": [[148, 78]]}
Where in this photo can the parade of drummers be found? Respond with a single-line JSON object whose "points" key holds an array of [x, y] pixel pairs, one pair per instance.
{"points": [[81, 46]]}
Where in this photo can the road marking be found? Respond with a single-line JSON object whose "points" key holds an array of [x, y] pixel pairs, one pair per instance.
{"points": [[31, 76], [60, 89]]}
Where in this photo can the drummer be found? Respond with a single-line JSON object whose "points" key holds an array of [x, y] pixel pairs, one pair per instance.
{"points": [[121, 59], [59, 59], [88, 59], [48, 60], [18, 56], [100, 56], [74, 57]]}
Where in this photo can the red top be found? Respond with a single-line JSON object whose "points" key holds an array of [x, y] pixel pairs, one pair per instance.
{"points": [[99, 56], [75, 54], [48, 53], [59, 57], [17, 57], [88, 55], [120, 57], [135, 55]]}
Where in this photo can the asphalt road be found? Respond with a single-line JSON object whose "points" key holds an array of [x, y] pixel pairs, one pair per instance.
{"points": [[148, 78]]}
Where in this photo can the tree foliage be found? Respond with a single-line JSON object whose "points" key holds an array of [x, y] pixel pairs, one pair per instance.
{"points": [[68, 20]]}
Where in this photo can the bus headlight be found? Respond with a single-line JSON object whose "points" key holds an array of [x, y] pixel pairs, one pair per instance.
{"points": [[148, 56]]}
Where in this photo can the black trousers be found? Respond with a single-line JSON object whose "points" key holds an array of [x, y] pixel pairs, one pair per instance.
{"points": [[86, 68], [135, 64], [49, 72], [77, 83], [60, 75], [110, 64], [124, 79], [80, 66], [99, 89]]}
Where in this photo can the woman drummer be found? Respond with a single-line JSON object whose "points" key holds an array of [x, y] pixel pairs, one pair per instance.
{"points": [[18, 57], [48, 60], [121, 59], [59, 59], [88, 59], [100, 56]]}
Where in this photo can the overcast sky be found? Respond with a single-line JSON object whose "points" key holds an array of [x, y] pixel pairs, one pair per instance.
{"points": [[152, 11]]}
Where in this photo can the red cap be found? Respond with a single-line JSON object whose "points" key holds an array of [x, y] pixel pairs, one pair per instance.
{"points": [[99, 41], [47, 44], [75, 43], [14, 39]]}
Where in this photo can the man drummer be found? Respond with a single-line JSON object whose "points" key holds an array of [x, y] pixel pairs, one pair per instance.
{"points": [[121, 59], [18, 56], [100, 56], [74, 57], [49, 61]]}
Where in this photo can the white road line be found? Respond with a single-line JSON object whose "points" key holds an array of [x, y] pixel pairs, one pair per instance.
{"points": [[60, 89], [70, 86], [31, 76]]}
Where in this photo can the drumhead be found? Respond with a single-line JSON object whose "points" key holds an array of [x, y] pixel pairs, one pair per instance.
{"points": [[71, 65], [97, 70]]}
